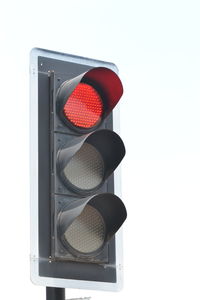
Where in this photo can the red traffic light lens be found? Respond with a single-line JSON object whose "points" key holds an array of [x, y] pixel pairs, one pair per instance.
{"points": [[84, 107]]}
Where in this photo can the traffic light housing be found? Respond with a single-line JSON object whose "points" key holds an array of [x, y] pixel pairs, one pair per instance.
{"points": [[76, 210]]}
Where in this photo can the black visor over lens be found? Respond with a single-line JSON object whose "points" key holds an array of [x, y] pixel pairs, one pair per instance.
{"points": [[85, 225], [86, 163]]}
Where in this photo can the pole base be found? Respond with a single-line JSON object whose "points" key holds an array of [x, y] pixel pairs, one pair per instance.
{"points": [[55, 293]]}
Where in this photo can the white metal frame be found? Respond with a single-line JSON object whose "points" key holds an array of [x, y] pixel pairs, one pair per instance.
{"points": [[34, 256]]}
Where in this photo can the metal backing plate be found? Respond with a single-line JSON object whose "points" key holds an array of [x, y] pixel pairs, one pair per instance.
{"points": [[62, 268]]}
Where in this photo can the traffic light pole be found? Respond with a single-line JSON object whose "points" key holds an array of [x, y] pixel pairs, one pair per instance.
{"points": [[55, 293]]}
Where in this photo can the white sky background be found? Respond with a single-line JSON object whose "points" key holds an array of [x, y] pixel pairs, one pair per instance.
{"points": [[156, 46]]}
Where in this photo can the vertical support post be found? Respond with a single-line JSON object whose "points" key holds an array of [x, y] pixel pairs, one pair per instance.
{"points": [[55, 293]]}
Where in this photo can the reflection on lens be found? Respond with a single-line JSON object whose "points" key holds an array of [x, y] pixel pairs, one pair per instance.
{"points": [[86, 168], [87, 233]]}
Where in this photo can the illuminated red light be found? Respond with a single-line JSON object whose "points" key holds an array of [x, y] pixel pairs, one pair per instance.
{"points": [[84, 107]]}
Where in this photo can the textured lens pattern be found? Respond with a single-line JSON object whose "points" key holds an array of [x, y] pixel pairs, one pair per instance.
{"points": [[87, 233], [86, 168], [84, 106]]}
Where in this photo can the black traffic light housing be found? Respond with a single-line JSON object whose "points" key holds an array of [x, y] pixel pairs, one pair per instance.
{"points": [[75, 212]]}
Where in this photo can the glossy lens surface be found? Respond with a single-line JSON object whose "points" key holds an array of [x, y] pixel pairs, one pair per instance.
{"points": [[86, 168], [84, 107], [87, 233]]}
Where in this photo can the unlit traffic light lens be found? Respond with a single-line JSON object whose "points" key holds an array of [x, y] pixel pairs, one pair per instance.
{"points": [[86, 224], [88, 161], [84, 107], [87, 233], [85, 170]]}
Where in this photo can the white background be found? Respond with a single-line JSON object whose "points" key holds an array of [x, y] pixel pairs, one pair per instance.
{"points": [[156, 45]]}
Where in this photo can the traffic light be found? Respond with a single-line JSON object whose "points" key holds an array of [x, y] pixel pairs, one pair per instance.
{"points": [[76, 210]]}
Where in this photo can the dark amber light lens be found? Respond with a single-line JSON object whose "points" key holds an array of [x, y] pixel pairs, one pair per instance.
{"points": [[84, 107], [85, 170]]}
